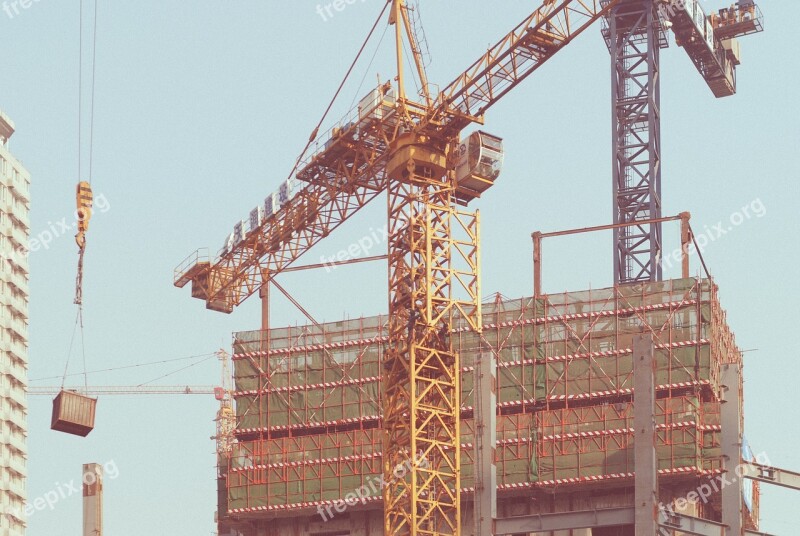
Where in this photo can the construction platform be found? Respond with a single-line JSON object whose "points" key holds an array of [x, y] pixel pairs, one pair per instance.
{"points": [[308, 415]]}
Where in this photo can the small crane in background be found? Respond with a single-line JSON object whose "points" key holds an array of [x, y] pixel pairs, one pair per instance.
{"points": [[225, 419]]}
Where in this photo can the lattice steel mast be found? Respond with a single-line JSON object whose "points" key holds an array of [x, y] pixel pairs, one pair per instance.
{"points": [[635, 38]]}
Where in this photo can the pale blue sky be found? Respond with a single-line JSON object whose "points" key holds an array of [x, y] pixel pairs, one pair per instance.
{"points": [[201, 108]]}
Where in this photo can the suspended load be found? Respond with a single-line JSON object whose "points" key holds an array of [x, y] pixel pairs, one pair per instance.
{"points": [[73, 413], [479, 161]]}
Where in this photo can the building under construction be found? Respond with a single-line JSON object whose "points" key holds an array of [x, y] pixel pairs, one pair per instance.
{"points": [[521, 415], [308, 421]]}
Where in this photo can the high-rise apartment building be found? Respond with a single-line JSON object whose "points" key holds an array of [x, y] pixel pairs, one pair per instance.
{"points": [[14, 233]]}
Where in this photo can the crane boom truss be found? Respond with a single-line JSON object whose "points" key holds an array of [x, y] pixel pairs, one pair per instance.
{"points": [[128, 390], [348, 171], [512, 59]]}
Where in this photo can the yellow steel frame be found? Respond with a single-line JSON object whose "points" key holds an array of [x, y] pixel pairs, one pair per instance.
{"points": [[433, 277], [347, 175], [433, 250]]}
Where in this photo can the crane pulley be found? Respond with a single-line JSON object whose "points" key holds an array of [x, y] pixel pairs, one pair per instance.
{"points": [[84, 214]]}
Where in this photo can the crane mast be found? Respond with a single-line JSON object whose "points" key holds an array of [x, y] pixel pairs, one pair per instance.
{"points": [[421, 393], [635, 37], [407, 149], [635, 32], [413, 150]]}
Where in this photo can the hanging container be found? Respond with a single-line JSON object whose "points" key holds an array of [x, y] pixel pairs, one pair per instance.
{"points": [[73, 413]]}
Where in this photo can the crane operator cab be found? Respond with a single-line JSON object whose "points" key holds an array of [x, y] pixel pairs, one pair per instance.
{"points": [[479, 160]]}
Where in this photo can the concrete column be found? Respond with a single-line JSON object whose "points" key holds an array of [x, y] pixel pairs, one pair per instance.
{"points": [[731, 438], [92, 499], [644, 423], [485, 443]]}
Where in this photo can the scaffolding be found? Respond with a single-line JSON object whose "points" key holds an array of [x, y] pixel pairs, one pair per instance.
{"points": [[308, 407]]}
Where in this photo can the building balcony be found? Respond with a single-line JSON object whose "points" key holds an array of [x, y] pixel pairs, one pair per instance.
{"points": [[19, 350], [15, 513], [19, 184], [5, 227], [16, 394], [16, 486], [20, 280], [18, 303], [13, 415], [16, 440], [20, 236], [18, 465], [6, 204], [19, 327], [17, 257], [20, 214], [15, 463], [16, 369]]}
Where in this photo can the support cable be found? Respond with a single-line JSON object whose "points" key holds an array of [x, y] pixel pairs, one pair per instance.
{"points": [[91, 100], [699, 253], [369, 67], [69, 352], [80, 81], [176, 371], [315, 132], [125, 367]]}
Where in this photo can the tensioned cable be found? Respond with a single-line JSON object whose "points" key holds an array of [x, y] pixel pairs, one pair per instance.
{"points": [[91, 149], [126, 366], [69, 354], [176, 371], [83, 348], [80, 80], [369, 66], [91, 101], [338, 91], [412, 68]]}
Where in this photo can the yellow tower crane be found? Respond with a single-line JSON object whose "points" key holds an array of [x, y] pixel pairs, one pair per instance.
{"points": [[412, 149]]}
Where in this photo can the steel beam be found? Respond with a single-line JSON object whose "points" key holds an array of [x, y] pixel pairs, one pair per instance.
{"points": [[772, 475], [588, 519], [731, 439], [644, 447], [610, 517], [699, 527], [634, 39], [263, 293]]}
